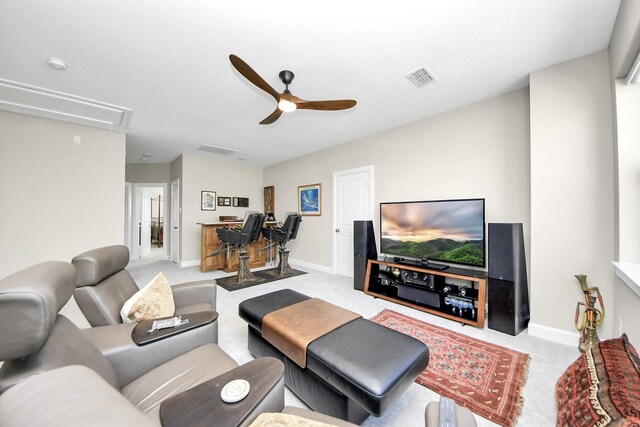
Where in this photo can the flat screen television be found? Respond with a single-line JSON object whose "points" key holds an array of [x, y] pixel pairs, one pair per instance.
{"points": [[451, 231]]}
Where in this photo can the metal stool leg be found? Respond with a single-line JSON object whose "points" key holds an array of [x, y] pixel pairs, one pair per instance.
{"points": [[244, 274], [283, 265]]}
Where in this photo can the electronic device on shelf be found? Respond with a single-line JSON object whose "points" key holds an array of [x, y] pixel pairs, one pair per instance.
{"points": [[418, 278], [171, 322], [452, 231]]}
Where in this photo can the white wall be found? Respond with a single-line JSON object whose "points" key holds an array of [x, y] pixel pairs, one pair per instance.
{"points": [[481, 150], [572, 220], [204, 172], [628, 158], [58, 198]]}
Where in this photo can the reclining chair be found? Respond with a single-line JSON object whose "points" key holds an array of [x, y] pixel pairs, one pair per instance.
{"points": [[56, 374], [103, 285], [34, 338], [234, 238], [280, 236]]}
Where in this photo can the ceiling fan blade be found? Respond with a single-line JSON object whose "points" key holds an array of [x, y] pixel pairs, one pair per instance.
{"points": [[338, 104], [273, 117], [244, 69]]}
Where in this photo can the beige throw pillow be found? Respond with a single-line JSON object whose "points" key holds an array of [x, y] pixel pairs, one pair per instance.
{"points": [[153, 301]]}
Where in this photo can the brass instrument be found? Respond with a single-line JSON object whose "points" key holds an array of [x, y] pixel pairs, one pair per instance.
{"points": [[591, 317]]}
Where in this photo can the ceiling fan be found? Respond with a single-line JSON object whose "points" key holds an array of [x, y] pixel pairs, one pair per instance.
{"points": [[286, 101]]}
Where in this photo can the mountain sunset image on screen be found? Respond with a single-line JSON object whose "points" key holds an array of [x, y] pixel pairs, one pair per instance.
{"points": [[450, 230]]}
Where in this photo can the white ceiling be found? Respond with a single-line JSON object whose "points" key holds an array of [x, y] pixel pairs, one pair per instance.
{"points": [[168, 61]]}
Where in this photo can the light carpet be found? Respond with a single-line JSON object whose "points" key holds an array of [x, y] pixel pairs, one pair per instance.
{"points": [[548, 359]]}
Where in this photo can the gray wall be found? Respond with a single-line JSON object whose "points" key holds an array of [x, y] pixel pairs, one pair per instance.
{"points": [[230, 178], [572, 220], [58, 198], [625, 38], [481, 150], [148, 172], [623, 49]]}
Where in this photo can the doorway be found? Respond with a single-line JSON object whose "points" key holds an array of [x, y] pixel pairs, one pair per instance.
{"points": [[352, 200], [149, 206]]}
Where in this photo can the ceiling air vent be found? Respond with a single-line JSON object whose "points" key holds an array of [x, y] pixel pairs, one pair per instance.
{"points": [[215, 150], [421, 77]]}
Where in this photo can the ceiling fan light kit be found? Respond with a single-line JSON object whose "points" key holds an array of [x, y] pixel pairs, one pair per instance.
{"points": [[286, 102], [287, 106]]}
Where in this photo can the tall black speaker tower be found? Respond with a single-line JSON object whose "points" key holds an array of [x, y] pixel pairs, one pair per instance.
{"points": [[364, 249], [508, 291]]}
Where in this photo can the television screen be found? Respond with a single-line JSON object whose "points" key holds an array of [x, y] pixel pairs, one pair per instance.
{"points": [[442, 230]]}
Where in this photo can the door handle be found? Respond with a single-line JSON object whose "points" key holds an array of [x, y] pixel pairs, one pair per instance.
{"points": [[175, 228], [337, 230]]}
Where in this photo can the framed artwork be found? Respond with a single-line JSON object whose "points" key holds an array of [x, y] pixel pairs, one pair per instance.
{"points": [[269, 199], [224, 201], [208, 200], [310, 199], [241, 202]]}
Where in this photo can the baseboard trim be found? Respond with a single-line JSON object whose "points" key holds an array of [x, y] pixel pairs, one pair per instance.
{"points": [[311, 265], [556, 335], [192, 263]]}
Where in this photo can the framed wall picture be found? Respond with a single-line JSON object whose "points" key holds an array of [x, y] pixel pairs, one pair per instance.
{"points": [[269, 199], [241, 202], [224, 201], [208, 200], [310, 199]]}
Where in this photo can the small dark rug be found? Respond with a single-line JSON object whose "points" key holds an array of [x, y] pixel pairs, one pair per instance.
{"points": [[262, 276]]}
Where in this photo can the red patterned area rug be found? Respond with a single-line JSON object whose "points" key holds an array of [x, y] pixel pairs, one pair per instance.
{"points": [[485, 378]]}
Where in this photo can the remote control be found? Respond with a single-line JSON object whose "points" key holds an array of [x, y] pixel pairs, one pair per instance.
{"points": [[167, 323], [447, 412]]}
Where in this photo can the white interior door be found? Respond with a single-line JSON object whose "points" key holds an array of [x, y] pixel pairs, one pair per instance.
{"points": [[175, 220], [352, 200], [144, 222]]}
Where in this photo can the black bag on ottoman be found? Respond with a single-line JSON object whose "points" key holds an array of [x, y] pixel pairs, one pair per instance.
{"points": [[358, 369]]}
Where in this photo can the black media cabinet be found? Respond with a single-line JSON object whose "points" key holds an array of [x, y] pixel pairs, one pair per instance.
{"points": [[455, 293]]}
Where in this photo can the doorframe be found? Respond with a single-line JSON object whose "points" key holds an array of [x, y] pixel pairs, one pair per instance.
{"points": [[370, 169], [135, 209], [128, 214], [175, 220]]}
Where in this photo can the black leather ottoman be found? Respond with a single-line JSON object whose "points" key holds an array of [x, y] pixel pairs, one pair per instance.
{"points": [[356, 370]]}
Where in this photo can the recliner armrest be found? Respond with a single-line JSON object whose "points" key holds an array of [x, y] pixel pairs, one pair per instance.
{"points": [[130, 361], [198, 292]]}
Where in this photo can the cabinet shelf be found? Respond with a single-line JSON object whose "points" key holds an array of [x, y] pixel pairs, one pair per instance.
{"points": [[456, 294]]}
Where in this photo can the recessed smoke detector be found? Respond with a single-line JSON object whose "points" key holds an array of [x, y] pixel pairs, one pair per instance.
{"points": [[215, 150], [57, 64], [421, 77]]}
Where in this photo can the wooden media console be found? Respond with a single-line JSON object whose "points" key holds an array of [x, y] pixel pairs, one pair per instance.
{"points": [[455, 293]]}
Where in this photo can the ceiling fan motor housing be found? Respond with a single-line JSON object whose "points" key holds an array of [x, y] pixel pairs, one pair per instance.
{"points": [[286, 76]]}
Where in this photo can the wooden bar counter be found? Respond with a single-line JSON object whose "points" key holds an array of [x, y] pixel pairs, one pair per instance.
{"points": [[227, 262]]}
